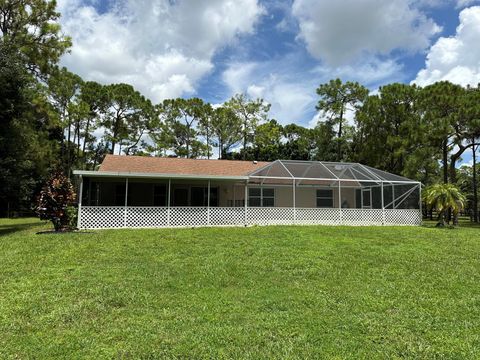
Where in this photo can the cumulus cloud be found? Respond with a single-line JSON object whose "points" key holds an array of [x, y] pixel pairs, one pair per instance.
{"points": [[290, 93], [455, 58], [341, 31], [290, 88], [465, 3], [162, 47]]}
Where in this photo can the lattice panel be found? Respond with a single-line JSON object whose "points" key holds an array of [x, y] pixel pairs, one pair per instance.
{"points": [[403, 217], [188, 216], [147, 216], [223, 216], [102, 217], [362, 217], [270, 216], [314, 216]]}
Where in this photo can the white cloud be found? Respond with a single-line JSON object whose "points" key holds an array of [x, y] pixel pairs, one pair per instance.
{"points": [[238, 75], [465, 3], [290, 88], [291, 94], [342, 31], [455, 58], [443, 3], [370, 71], [162, 47]]}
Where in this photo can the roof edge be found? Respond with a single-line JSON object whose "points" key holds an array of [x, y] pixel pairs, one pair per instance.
{"points": [[92, 173]]}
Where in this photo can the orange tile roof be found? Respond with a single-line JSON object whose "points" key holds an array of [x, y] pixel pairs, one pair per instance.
{"points": [[178, 166]]}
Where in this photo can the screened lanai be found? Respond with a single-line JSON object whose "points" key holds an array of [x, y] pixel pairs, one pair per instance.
{"points": [[340, 185]]}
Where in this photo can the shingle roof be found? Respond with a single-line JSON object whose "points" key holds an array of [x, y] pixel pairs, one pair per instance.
{"points": [[178, 166]]}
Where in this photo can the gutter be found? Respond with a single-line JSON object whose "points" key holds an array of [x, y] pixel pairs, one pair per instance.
{"points": [[90, 173]]}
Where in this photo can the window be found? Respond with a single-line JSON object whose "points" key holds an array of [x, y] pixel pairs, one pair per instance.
{"points": [[268, 197], [367, 198], [324, 198], [260, 197], [160, 195]]}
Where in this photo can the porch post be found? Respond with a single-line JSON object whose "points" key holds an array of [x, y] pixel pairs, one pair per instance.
{"points": [[126, 203], [340, 202], [208, 203], [245, 202], [80, 195], [393, 196], [294, 203], [420, 202], [168, 202], [383, 205]]}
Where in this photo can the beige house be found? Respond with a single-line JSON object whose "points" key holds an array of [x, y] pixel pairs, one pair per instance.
{"points": [[136, 191]]}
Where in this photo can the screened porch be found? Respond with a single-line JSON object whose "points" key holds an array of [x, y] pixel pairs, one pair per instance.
{"points": [[282, 192]]}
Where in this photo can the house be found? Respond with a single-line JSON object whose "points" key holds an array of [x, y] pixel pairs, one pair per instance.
{"points": [[138, 191]]}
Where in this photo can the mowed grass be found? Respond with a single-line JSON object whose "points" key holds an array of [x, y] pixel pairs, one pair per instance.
{"points": [[254, 293]]}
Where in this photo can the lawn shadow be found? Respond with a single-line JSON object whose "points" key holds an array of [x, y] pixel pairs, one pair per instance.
{"points": [[16, 227]]}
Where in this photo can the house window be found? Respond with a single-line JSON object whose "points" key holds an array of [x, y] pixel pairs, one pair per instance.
{"points": [[160, 195], [261, 197], [324, 198]]}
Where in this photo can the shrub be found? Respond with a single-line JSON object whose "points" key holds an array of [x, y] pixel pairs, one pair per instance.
{"points": [[54, 201]]}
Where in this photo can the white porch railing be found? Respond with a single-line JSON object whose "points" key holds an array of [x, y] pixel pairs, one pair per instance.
{"points": [[104, 217]]}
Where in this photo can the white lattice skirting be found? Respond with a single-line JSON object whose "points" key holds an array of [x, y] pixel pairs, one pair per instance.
{"points": [[104, 217]]}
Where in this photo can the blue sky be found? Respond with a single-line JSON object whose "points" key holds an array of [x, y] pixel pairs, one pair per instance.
{"points": [[278, 50]]}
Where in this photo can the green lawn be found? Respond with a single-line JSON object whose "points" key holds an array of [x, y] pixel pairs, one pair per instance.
{"points": [[260, 292]]}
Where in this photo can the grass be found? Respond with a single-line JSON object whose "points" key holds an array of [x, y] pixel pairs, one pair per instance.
{"points": [[260, 292]]}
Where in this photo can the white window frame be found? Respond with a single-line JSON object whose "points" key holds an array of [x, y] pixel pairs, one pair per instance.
{"points": [[261, 197]]}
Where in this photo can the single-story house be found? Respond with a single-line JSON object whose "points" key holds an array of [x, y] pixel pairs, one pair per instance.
{"points": [[139, 191]]}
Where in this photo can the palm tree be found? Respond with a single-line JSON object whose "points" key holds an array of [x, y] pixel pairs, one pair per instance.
{"points": [[444, 197]]}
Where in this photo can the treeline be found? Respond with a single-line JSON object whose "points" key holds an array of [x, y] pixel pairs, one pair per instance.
{"points": [[51, 118]]}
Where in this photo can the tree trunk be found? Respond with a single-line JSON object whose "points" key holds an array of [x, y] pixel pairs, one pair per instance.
{"points": [[78, 141], [208, 145], [445, 161], [245, 140], [339, 145], [85, 143], [116, 126], [474, 180]]}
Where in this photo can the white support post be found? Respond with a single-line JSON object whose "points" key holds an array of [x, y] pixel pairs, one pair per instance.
{"points": [[393, 196], [294, 203], [383, 207], [340, 201], [208, 203], [126, 203], [245, 202], [168, 202], [80, 195], [420, 202]]}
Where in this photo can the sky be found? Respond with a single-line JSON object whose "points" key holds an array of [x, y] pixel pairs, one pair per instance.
{"points": [[277, 50]]}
